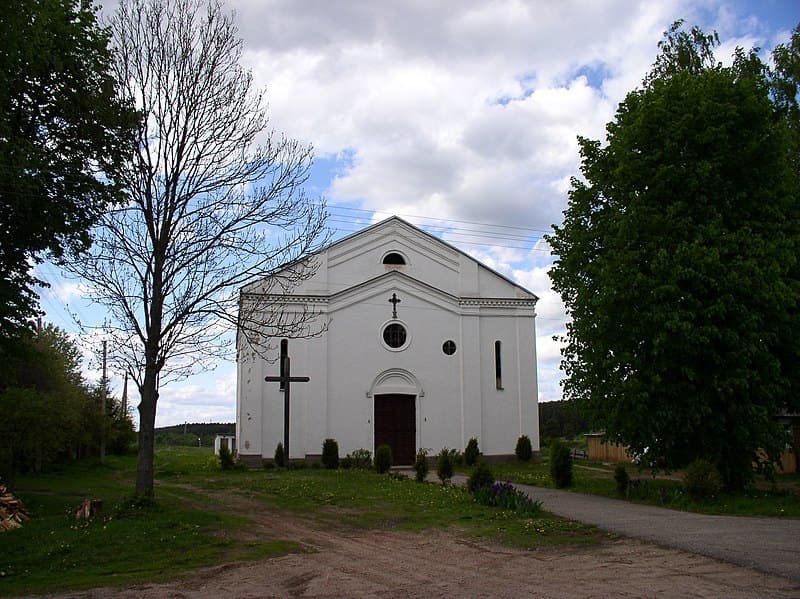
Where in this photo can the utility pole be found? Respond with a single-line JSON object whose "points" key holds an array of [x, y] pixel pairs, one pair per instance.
{"points": [[103, 390], [125, 397]]}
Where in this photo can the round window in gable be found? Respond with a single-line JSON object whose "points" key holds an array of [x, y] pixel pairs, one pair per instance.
{"points": [[395, 335], [449, 347]]}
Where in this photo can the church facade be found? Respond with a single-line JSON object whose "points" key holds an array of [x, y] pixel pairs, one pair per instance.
{"points": [[423, 347]]}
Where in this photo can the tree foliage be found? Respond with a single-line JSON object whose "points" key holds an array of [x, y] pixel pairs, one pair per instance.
{"points": [[560, 419], [210, 209], [677, 261], [63, 132], [49, 412]]}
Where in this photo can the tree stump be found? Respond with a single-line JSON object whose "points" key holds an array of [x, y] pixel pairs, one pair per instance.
{"points": [[89, 508]]}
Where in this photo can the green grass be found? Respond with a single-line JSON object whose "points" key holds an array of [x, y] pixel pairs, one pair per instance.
{"points": [[763, 499], [364, 499], [190, 526]]}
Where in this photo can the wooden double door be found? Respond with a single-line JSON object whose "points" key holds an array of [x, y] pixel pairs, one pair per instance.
{"points": [[396, 426]]}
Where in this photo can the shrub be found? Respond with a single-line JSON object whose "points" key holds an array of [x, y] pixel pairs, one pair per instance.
{"points": [[226, 461], [524, 450], [444, 466], [702, 481], [471, 452], [330, 454], [268, 465], [507, 497], [622, 479], [560, 464], [383, 458], [481, 477], [279, 457], [360, 459], [421, 465], [298, 465]]}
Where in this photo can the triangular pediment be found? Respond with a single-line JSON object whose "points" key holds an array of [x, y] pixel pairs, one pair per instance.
{"points": [[356, 259], [380, 288]]}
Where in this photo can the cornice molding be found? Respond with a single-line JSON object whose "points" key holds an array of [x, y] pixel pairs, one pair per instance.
{"points": [[466, 302]]}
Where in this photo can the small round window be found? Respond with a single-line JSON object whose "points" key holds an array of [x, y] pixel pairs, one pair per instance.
{"points": [[395, 335], [449, 347]]}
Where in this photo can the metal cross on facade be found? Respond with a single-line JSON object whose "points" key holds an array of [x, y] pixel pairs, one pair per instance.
{"points": [[285, 379], [394, 300]]}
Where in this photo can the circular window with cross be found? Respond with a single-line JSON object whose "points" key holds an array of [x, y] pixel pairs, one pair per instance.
{"points": [[395, 336]]}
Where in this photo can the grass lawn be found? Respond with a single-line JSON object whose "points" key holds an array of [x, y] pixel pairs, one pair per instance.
{"points": [[184, 530], [763, 499]]}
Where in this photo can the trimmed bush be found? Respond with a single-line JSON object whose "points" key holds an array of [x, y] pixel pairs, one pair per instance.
{"points": [[279, 457], [444, 466], [701, 481], [622, 479], [561, 464], [383, 458], [421, 465], [481, 477], [226, 461], [330, 454], [524, 450], [471, 452]]}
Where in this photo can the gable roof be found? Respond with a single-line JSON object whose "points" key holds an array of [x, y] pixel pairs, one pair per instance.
{"points": [[405, 223]]}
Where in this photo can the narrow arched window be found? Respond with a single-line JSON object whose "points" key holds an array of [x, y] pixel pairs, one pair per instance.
{"points": [[498, 364], [394, 258]]}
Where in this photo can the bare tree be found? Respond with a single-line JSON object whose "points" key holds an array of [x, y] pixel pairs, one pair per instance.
{"points": [[210, 211]]}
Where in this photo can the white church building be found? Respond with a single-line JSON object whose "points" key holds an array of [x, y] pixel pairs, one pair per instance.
{"points": [[423, 347]]}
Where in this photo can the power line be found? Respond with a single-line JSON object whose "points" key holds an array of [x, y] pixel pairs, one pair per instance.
{"points": [[438, 219]]}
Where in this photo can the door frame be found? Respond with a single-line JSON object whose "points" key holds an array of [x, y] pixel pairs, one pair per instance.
{"points": [[397, 381]]}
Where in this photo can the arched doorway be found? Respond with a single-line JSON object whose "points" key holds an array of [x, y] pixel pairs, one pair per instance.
{"points": [[395, 394]]}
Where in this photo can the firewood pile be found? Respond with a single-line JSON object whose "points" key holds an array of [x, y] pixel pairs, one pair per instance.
{"points": [[12, 511]]}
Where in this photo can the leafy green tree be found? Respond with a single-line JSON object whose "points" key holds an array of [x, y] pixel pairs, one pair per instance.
{"points": [[560, 419], [49, 412], [677, 261], [41, 403], [63, 130]]}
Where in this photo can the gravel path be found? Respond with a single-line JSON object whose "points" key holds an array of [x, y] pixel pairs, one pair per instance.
{"points": [[770, 545]]}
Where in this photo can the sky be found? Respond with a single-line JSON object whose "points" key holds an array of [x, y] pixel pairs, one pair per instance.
{"points": [[460, 116]]}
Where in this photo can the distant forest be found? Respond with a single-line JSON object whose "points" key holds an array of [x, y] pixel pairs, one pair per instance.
{"points": [[560, 419], [193, 434]]}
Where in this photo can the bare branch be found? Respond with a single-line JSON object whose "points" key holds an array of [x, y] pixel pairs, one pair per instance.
{"points": [[209, 212]]}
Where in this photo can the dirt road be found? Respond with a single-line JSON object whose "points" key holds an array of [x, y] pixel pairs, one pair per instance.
{"points": [[385, 563]]}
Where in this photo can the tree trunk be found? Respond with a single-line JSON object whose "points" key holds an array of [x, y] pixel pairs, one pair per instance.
{"points": [[147, 425]]}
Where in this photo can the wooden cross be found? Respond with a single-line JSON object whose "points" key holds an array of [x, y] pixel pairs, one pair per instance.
{"points": [[285, 378], [394, 300]]}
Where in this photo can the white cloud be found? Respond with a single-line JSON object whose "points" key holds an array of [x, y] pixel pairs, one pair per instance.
{"points": [[210, 397]]}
